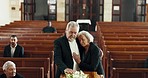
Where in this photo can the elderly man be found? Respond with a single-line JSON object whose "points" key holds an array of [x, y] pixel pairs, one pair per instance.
{"points": [[9, 69]]}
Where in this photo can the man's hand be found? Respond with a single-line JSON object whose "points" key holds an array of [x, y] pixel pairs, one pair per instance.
{"points": [[69, 71]]}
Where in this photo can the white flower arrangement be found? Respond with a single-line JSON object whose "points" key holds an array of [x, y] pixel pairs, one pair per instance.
{"points": [[77, 74]]}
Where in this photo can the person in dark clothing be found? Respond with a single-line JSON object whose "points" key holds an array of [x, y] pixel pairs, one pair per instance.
{"points": [[13, 49], [9, 69], [91, 55], [49, 28]]}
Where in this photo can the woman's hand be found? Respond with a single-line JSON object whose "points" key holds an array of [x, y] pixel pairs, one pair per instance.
{"points": [[76, 58], [101, 76]]}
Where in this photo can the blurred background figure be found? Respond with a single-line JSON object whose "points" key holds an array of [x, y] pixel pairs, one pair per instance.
{"points": [[49, 28]]}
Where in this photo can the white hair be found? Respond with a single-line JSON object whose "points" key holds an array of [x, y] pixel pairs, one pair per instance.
{"points": [[8, 64], [87, 35], [72, 24]]}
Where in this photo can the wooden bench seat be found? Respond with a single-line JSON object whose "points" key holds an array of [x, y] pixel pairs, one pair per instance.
{"points": [[139, 24], [121, 26], [114, 42], [38, 23], [127, 55], [28, 31], [33, 23], [127, 63], [124, 30], [126, 47], [35, 42], [20, 28], [32, 34], [122, 39], [125, 38], [7, 38], [32, 53], [29, 72], [30, 62], [59, 25], [130, 73], [20, 31], [30, 47], [126, 35], [126, 59], [43, 54]]}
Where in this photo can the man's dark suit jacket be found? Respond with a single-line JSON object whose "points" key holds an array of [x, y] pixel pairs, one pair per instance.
{"points": [[62, 55], [16, 76], [19, 51], [91, 60]]}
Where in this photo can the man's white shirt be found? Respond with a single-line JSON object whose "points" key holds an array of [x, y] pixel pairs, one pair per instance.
{"points": [[74, 48]]}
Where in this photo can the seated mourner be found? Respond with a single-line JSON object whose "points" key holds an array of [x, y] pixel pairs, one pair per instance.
{"points": [[49, 28]]}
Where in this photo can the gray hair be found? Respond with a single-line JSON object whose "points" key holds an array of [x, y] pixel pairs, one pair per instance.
{"points": [[87, 35], [8, 64], [72, 24]]}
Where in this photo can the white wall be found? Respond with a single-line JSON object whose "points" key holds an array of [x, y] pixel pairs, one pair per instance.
{"points": [[4, 14], [7, 14]]}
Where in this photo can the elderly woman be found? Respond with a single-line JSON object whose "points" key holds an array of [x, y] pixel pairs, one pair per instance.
{"points": [[9, 69], [91, 54]]}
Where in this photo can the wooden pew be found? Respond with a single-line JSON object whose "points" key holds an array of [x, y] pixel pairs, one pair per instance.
{"points": [[33, 53], [43, 54], [20, 31], [123, 24], [122, 36], [40, 54], [59, 25], [124, 30], [130, 73], [29, 72], [126, 59], [130, 55], [36, 42], [33, 23], [30, 62], [31, 47], [126, 47], [127, 63], [32, 34], [32, 29], [38, 23], [7, 38], [126, 35], [39, 47], [125, 38], [114, 42]]}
